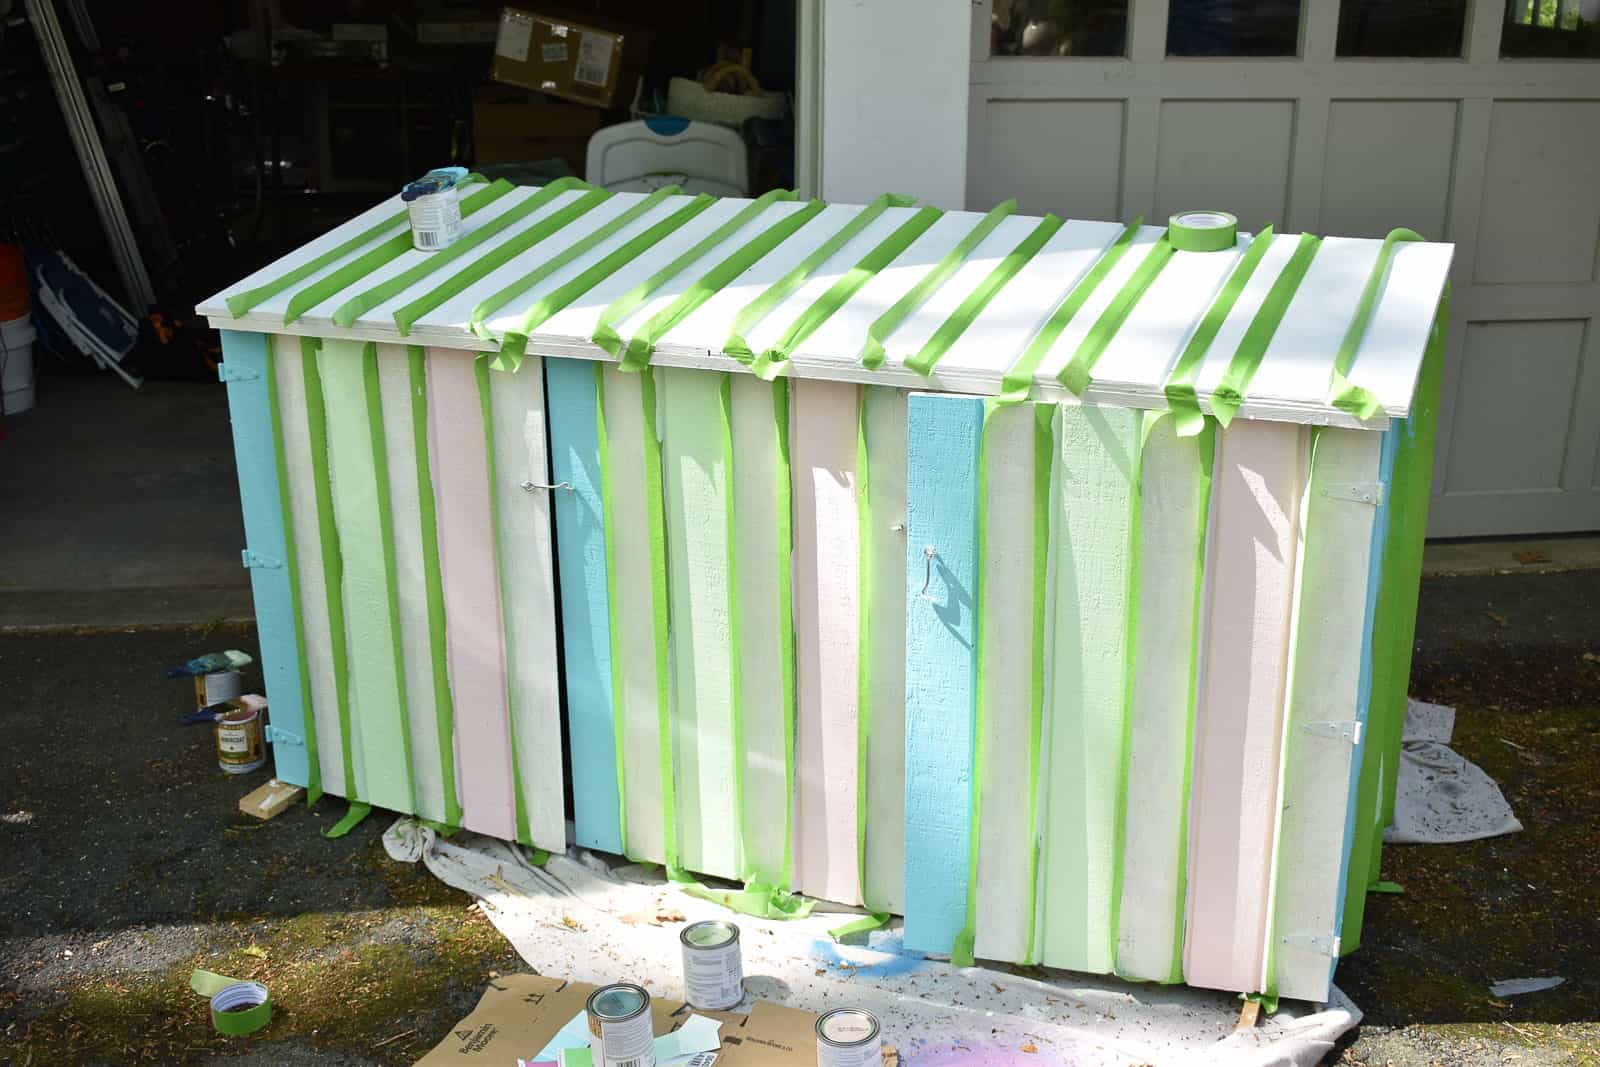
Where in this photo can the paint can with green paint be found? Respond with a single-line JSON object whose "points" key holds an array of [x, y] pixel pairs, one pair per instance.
{"points": [[621, 1033], [713, 965], [849, 1037]]}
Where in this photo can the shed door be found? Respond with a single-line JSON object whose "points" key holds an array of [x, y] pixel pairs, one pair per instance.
{"points": [[1469, 123]]}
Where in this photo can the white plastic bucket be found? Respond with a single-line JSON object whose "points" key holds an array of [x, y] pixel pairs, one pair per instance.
{"points": [[16, 364]]}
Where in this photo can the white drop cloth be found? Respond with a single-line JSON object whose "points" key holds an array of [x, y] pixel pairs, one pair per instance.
{"points": [[1441, 798], [565, 920]]}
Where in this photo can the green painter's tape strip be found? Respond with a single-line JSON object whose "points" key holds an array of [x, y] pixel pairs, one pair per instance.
{"points": [[659, 608], [380, 463], [641, 346], [961, 952], [443, 703], [1181, 398], [1043, 456], [886, 324], [1018, 381], [780, 290], [605, 334], [502, 254], [314, 772], [361, 303], [480, 367], [757, 899], [357, 811], [239, 303], [395, 247], [608, 523], [332, 559], [767, 363], [1130, 633], [1353, 399], [1207, 444], [786, 639], [1230, 392], [516, 339], [492, 303], [954, 326], [735, 703], [1075, 375], [863, 675]]}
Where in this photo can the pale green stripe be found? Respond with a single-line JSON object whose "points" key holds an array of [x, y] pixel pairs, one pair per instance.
{"points": [[608, 528], [1180, 390], [480, 369], [1207, 445], [954, 326], [332, 560], [605, 334], [736, 704], [780, 415], [659, 608], [1130, 635], [878, 333], [443, 702], [780, 290], [392, 249], [1018, 381], [1043, 456]]}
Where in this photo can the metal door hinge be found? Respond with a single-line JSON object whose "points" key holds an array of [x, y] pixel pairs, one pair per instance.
{"points": [[1360, 492], [1348, 731], [278, 736], [252, 558], [1321, 944], [227, 373]]}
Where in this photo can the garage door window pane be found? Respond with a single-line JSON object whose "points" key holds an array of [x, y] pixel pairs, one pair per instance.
{"points": [[1551, 29], [1233, 28], [1059, 28], [1430, 28]]}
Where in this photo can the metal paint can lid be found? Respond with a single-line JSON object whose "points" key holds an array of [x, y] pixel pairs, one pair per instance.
{"points": [[847, 1028], [618, 1003], [711, 933]]}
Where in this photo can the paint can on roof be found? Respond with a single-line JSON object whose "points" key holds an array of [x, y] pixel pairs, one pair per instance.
{"points": [[849, 1037], [713, 965], [433, 203], [621, 1033]]}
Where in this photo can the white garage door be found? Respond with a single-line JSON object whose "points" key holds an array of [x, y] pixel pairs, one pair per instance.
{"points": [[1474, 122]]}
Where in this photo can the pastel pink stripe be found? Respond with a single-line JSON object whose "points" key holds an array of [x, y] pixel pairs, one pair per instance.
{"points": [[474, 627], [1251, 578], [827, 566]]}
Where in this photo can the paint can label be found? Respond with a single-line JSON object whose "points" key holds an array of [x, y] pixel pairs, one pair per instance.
{"points": [[713, 966], [621, 1032], [217, 687], [240, 745], [435, 220]]}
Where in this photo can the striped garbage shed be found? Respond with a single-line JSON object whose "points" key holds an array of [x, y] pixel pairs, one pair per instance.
{"points": [[1050, 583]]}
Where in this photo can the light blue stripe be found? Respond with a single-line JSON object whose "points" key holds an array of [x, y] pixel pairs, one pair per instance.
{"points": [[1380, 530], [585, 608], [255, 451], [941, 663]]}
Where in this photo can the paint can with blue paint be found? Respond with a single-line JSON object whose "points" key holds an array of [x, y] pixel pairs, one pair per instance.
{"points": [[849, 1037], [621, 1033], [713, 965], [433, 204]]}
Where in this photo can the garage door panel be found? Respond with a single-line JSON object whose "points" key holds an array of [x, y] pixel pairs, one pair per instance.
{"points": [[1541, 192], [1231, 155], [1063, 156], [1365, 190]]}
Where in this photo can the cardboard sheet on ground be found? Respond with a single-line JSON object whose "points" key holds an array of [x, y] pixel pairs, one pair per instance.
{"points": [[567, 918], [524, 1014]]}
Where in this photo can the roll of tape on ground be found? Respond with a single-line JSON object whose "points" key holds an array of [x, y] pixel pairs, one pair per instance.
{"points": [[1202, 231], [237, 1008]]}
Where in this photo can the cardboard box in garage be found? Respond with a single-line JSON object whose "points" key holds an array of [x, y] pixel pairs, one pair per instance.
{"points": [[594, 61], [513, 127]]}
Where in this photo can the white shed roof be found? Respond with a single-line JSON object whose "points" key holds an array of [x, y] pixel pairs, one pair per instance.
{"points": [[958, 301]]}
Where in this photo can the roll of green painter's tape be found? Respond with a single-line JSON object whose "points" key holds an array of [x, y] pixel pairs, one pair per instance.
{"points": [[1202, 231], [237, 1008]]}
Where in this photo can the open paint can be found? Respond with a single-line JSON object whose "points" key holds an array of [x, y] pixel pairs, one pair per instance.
{"points": [[713, 965], [620, 1030], [849, 1037], [241, 744]]}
